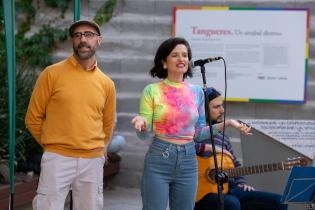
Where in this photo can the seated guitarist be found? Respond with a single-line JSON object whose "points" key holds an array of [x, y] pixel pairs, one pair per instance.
{"points": [[240, 195]]}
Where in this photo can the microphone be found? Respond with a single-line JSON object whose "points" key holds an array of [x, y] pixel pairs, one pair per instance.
{"points": [[202, 62]]}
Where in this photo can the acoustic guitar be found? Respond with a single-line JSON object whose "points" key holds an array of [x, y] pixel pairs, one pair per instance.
{"points": [[206, 171]]}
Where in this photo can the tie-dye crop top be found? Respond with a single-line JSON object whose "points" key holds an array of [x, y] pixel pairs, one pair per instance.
{"points": [[174, 111]]}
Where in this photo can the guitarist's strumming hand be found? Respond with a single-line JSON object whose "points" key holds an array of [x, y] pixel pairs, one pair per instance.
{"points": [[246, 187], [140, 123]]}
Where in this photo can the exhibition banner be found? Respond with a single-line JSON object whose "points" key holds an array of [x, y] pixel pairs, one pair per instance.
{"points": [[265, 50]]}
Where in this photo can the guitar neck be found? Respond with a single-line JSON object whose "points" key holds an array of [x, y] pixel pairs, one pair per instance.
{"points": [[255, 169]]}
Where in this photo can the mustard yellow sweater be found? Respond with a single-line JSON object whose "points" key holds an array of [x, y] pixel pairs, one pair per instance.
{"points": [[72, 110]]}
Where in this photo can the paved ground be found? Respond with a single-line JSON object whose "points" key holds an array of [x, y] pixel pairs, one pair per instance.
{"points": [[122, 199], [119, 198]]}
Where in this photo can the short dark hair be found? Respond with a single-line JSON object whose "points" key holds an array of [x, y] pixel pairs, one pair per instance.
{"points": [[84, 22], [212, 93], [163, 51]]}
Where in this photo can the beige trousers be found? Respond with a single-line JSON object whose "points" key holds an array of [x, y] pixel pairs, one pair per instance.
{"points": [[59, 173]]}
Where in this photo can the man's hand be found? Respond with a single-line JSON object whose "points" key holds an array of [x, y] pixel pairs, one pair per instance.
{"points": [[246, 187], [140, 123], [242, 127]]}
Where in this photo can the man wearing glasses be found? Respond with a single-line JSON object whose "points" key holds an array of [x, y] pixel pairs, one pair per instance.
{"points": [[71, 115]]}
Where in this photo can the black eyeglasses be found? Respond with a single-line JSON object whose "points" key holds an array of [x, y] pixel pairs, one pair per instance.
{"points": [[86, 34]]}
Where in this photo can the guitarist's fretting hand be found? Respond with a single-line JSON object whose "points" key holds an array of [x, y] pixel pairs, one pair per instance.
{"points": [[242, 127], [246, 187]]}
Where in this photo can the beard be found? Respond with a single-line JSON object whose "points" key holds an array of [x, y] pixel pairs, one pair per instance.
{"points": [[86, 54], [218, 119]]}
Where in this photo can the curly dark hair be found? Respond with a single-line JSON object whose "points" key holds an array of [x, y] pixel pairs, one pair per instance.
{"points": [[163, 51]]}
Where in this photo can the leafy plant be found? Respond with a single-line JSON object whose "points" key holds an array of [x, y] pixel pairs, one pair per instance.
{"points": [[62, 4], [27, 10], [36, 51], [104, 14], [24, 84]]}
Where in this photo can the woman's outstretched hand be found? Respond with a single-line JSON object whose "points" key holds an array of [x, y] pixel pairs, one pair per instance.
{"points": [[140, 123]]}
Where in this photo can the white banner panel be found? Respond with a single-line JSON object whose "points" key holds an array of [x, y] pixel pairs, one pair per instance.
{"points": [[266, 50], [297, 134]]}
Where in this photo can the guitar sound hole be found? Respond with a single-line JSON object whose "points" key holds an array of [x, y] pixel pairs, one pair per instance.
{"points": [[211, 175]]}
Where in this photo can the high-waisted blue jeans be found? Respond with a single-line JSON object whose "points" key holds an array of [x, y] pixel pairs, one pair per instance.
{"points": [[170, 173]]}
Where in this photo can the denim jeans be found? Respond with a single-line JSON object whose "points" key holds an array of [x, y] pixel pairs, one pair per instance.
{"points": [[237, 199], [116, 144], [170, 174]]}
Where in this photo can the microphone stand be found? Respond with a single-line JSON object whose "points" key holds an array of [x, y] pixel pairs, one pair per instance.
{"points": [[219, 178]]}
